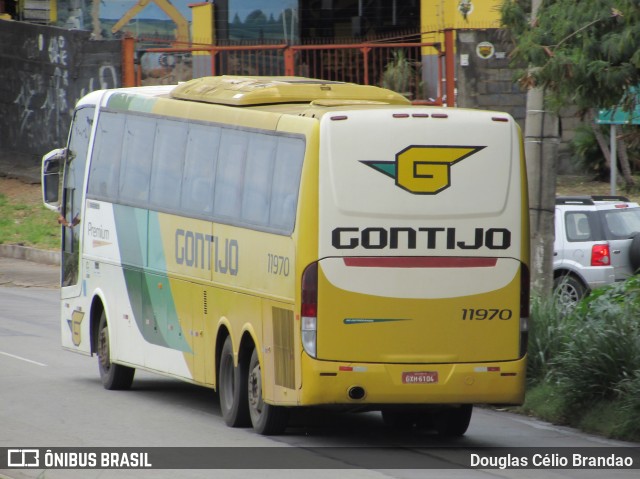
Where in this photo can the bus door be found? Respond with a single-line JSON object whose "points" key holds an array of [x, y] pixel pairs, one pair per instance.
{"points": [[72, 226]]}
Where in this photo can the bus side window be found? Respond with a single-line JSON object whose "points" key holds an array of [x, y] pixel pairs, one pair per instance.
{"points": [[105, 164], [230, 173], [286, 183], [201, 158], [135, 170], [166, 172], [256, 192]]}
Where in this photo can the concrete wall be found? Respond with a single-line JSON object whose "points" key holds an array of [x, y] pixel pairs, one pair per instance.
{"points": [[486, 81], [43, 72]]}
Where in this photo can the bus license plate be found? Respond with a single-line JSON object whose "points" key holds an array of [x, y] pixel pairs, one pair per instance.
{"points": [[420, 377]]}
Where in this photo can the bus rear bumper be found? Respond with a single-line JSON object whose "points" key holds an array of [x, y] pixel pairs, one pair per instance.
{"points": [[353, 384]]}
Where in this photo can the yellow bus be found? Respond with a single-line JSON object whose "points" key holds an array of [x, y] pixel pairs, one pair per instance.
{"points": [[296, 242]]}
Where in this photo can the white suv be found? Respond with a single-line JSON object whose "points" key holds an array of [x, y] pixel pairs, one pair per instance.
{"points": [[596, 243]]}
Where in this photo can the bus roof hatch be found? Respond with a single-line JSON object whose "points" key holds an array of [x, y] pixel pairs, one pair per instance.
{"points": [[252, 91]]}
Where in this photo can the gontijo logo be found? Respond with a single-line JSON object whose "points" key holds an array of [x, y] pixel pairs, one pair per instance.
{"points": [[424, 170]]}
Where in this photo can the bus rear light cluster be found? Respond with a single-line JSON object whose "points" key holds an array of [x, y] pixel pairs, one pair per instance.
{"points": [[309, 309], [525, 286]]}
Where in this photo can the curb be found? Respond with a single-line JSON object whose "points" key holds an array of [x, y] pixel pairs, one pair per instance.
{"points": [[31, 178], [17, 166], [30, 254]]}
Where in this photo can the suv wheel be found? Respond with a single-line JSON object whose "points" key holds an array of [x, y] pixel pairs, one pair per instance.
{"points": [[568, 291]]}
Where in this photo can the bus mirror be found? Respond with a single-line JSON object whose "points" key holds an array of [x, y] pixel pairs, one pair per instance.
{"points": [[51, 167]]}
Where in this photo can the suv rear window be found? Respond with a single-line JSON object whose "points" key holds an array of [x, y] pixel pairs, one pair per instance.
{"points": [[621, 223], [579, 227]]}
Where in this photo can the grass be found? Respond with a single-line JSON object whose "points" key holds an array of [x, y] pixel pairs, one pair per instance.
{"points": [[27, 224], [609, 418], [545, 401], [584, 365]]}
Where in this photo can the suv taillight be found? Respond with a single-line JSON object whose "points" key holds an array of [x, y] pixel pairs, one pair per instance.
{"points": [[600, 255]]}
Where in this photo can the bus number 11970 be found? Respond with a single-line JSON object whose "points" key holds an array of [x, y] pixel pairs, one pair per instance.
{"points": [[481, 314], [278, 265]]}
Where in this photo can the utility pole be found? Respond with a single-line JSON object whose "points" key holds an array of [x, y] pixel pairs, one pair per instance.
{"points": [[541, 140]]}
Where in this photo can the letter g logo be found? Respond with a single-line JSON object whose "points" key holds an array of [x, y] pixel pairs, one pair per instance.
{"points": [[424, 170]]}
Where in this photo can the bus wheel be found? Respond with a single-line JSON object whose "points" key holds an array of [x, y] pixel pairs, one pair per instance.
{"points": [[266, 419], [453, 422], [113, 376], [232, 388]]}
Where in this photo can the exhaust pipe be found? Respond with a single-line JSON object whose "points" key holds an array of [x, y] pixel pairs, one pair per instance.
{"points": [[356, 393]]}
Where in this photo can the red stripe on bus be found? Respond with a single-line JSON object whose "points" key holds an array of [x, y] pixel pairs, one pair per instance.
{"points": [[421, 262]]}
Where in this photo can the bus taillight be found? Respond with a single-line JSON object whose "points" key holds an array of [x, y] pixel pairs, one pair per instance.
{"points": [[524, 309], [309, 309]]}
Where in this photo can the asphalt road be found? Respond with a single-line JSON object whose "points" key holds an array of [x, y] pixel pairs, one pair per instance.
{"points": [[52, 398], [27, 274]]}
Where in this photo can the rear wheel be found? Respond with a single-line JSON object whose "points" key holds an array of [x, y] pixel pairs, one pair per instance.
{"points": [[232, 388], [266, 418], [113, 376], [453, 422], [568, 291]]}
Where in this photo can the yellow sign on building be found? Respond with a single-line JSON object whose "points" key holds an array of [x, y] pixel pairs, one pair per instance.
{"points": [[439, 15]]}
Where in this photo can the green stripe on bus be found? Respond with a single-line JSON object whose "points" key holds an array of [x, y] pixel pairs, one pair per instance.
{"points": [[149, 293]]}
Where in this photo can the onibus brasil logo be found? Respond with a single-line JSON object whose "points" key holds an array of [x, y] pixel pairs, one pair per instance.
{"points": [[424, 170]]}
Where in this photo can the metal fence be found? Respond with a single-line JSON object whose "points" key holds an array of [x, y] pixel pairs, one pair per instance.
{"points": [[397, 66]]}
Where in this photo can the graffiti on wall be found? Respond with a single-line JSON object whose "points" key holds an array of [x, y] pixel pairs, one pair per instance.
{"points": [[52, 95], [38, 95]]}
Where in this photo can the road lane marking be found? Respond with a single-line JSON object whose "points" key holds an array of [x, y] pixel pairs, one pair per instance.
{"points": [[22, 359]]}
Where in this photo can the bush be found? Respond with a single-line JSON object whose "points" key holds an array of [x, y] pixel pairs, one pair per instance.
{"points": [[629, 399], [546, 402], [547, 331], [587, 361], [603, 348], [602, 352]]}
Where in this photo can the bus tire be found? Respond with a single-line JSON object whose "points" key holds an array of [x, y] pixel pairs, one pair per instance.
{"points": [[267, 419], [454, 421], [114, 376], [232, 389]]}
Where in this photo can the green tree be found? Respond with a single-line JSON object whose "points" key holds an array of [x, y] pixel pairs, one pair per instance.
{"points": [[585, 53], [573, 53]]}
